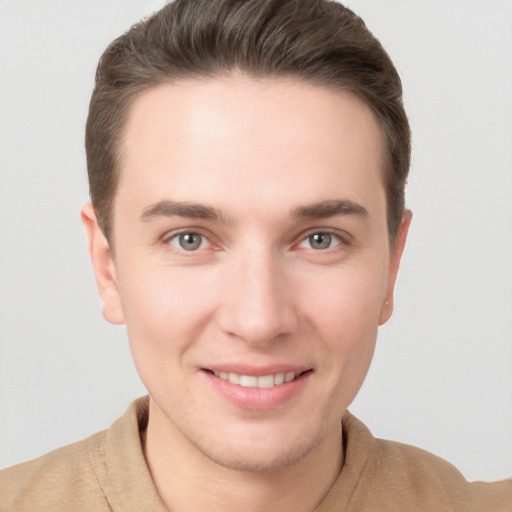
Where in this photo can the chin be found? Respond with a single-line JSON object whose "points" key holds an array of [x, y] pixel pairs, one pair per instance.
{"points": [[262, 450], [258, 460]]}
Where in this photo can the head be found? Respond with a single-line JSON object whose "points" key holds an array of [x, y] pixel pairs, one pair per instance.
{"points": [[247, 162], [317, 41]]}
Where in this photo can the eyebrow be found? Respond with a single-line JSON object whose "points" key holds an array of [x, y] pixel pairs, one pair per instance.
{"points": [[320, 210], [325, 209], [172, 208]]}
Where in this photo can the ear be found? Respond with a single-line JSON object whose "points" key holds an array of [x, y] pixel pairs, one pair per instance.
{"points": [[394, 263], [103, 266]]}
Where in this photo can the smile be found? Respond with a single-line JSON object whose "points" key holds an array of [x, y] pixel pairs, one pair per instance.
{"points": [[252, 381]]}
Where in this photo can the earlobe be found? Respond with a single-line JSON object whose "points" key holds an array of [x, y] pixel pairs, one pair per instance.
{"points": [[103, 266], [394, 264]]}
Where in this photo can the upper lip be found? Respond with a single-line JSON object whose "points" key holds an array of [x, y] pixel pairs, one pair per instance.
{"points": [[257, 371]]}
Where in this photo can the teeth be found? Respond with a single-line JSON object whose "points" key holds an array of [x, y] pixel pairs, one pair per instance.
{"points": [[289, 376], [266, 382], [279, 379], [234, 378], [251, 381]]}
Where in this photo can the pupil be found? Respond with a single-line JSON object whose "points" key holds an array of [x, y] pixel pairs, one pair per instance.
{"points": [[320, 240], [190, 241]]}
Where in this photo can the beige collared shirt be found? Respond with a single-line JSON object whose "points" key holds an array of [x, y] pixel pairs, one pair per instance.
{"points": [[108, 472]]}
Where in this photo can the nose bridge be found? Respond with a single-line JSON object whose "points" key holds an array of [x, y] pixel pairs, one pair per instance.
{"points": [[257, 306]]}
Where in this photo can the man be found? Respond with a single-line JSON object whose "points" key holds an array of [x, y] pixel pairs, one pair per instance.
{"points": [[247, 164]]}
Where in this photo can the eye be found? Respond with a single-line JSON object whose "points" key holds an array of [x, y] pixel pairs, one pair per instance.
{"points": [[320, 241], [189, 241]]}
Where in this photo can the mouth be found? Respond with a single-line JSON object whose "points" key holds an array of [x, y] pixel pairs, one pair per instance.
{"points": [[261, 382]]}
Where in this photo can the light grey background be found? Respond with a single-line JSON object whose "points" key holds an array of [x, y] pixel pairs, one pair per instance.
{"points": [[441, 378]]}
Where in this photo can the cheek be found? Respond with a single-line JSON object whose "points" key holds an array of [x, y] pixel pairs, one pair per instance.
{"points": [[347, 300], [345, 313], [165, 311]]}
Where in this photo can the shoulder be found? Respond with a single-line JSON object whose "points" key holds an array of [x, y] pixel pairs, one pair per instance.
{"points": [[428, 477], [104, 472], [55, 480], [396, 476]]}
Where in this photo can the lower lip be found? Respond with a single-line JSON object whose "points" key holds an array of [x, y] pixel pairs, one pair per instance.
{"points": [[258, 399]]}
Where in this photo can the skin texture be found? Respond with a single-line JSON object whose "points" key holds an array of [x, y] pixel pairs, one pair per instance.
{"points": [[257, 294]]}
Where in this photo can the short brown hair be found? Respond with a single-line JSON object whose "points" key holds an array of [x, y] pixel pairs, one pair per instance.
{"points": [[319, 41]]}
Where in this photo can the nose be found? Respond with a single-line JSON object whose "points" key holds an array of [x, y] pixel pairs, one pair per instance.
{"points": [[258, 305]]}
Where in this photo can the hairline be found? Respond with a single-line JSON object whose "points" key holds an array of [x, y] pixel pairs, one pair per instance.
{"points": [[134, 95]]}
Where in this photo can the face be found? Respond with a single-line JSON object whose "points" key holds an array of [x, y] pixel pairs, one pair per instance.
{"points": [[252, 263]]}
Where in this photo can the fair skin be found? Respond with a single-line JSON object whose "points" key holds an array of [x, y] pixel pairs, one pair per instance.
{"points": [[250, 241]]}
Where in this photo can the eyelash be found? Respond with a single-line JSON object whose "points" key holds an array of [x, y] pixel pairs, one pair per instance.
{"points": [[168, 239], [340, 240], [333, 237]]}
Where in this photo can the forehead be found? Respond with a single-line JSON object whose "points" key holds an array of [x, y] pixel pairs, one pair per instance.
{"points": [[239, 136]]}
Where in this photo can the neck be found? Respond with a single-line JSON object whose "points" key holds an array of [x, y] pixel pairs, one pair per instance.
{"points": [[188, 481]]}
